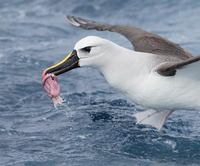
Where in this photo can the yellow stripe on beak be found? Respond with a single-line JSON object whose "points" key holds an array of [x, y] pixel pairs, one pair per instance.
{"points": [[57, 64], [70, 62]]}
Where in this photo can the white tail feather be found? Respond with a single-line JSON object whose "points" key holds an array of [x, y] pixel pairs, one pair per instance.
{"points": [[152, 117]]}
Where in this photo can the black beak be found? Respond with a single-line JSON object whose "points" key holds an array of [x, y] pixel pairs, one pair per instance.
{"points": [[70, 62]]}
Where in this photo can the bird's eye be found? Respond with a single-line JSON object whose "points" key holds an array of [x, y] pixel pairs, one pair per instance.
{"points": [[86, 49]]}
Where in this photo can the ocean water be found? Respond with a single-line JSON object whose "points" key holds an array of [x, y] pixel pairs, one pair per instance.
{"points": [[95, 126]]}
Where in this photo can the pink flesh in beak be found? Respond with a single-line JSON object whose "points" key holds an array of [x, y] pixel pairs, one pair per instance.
{"points": [[52, 87]]}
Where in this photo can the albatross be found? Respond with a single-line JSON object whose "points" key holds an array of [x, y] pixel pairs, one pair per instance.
{"points": [[157, 74]]}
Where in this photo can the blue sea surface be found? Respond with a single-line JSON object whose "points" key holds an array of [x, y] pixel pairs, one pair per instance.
{"points": [[95, 126]]}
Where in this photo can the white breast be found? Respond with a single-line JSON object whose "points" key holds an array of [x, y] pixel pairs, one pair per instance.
{"points": [[149, 89], [168, 92]]}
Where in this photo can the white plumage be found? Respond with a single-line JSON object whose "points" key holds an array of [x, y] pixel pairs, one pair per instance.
{"points": [[158, 74], [134, 73]]}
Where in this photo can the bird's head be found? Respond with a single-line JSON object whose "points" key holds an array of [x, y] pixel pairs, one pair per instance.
{"points": [[89, 51]]}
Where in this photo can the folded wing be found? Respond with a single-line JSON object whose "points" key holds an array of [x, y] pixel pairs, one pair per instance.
{"points": [[186, 68]]}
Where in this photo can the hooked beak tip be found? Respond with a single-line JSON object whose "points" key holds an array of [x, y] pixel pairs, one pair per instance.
{"points": [[70, 62]]}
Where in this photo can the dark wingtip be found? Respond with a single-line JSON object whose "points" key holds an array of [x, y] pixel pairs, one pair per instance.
{"points": [[79, 22], [73, 20]]}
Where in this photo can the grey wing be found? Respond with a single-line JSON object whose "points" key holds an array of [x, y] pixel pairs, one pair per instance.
{"points": [[189, 67], [141, 40]]}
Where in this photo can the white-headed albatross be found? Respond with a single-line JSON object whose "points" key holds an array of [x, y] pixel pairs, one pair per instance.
{"points": [[158, 74]]}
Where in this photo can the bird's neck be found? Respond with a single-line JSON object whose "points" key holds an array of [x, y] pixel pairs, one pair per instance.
{"points": [[121, 61], [124, 69]]}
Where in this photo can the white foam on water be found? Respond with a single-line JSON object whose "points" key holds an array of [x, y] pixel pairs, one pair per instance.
{"points": [[171, 143]]}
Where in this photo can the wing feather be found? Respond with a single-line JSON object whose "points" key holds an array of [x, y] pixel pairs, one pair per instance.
{"points": [[190, 66], [141, 40]]}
